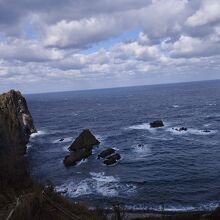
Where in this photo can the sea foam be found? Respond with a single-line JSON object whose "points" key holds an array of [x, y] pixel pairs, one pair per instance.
{"points": [[190, 131], [98, 183], [39, 133]]}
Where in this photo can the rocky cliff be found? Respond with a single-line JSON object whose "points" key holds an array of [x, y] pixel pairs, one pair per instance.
{"points": [[16, 123]]}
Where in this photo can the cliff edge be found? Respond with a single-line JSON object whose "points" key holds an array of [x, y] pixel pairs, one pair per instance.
{"points": [[16, 123]]}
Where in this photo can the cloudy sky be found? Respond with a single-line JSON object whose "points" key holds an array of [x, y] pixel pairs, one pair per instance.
{"points": [[54, 45]]}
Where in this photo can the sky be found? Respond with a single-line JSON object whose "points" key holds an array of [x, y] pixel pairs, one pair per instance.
{"points": [[54, 45]]}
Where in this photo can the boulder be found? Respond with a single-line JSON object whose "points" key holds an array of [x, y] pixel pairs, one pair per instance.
{"points": [[77, 156], [62, 139], [112, 159], [106, 153], [156, 124], [85, 140]]}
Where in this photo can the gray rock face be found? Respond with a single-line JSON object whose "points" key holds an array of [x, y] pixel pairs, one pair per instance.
{"points": [[16, 123], [106, 153], [81, 148], [85, 140], [156, 124]]}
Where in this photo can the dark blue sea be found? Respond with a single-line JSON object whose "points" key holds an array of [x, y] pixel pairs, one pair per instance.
{"points": [[171, 169]]}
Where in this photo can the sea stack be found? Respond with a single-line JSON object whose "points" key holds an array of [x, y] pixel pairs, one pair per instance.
{"points": [[157, 124], [81, 148], [85, 140]]}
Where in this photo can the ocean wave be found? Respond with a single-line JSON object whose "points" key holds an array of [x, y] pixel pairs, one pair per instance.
{"points": [[39, 133], [81, 162], [175, 106], [142, 149], [212, 104], [191, 131], [174, 208], [97, 184], [100, 138], [29, 146], [102, 178], [144, 126]]}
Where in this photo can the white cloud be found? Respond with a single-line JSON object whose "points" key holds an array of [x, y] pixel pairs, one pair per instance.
{"points": [[27, 50], [176, 37], [208, 12], [80, 34]]}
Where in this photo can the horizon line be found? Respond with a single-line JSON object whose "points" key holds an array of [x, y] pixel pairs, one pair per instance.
{"points": [[119, 87]]}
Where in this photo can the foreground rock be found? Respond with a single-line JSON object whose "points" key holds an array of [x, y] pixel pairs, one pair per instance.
{"points": [[85, 140], [157, 124], [106, 152], [112, 159], [16, 126], [16, 123], [81, 148]]}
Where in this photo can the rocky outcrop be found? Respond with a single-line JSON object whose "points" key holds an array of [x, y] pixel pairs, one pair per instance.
{"points": [[157, 124], [106, 152], [76, 156], [81, 148], [16, 123], [112, 159], [180, 129], [85, 140]]}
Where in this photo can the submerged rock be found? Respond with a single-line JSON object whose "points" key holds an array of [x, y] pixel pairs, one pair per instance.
{"points": [[180, 129], [157, 124], [112, 159], [106, 153], [85, 140], [76, 156]]}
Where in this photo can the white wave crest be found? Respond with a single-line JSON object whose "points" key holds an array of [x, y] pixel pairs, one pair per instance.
{"points": [[175, 106], [144, 126], [191, 131], [143, 149], [99, 183], [39, 133]]}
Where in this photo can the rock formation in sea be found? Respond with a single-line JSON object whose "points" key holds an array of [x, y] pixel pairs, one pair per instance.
{"points": [[81, 148], [85, 140], [106, 152], [112, 159], [180, 129], [16, 123], [157, 124]]}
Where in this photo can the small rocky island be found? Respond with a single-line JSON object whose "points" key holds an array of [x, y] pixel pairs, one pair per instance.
{"points": [[81, 148], [157, 124]]}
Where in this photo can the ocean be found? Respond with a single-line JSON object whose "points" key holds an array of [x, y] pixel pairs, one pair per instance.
{"points": [[159, 169]]}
